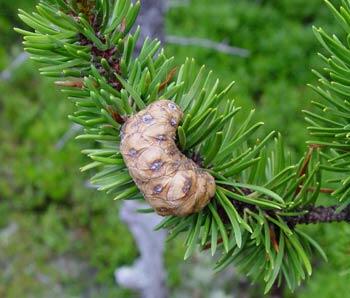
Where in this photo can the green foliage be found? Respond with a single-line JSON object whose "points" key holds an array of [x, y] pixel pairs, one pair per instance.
{"points": [[330, 124], [8, 18], [89, 48], [42, 193], [27, 151], [273, 77]]}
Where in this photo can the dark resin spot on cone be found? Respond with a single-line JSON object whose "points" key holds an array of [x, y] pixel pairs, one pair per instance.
{"points": [[132, 152], [161, 138], [147, 119], [156, 165], [187, 186], [173, 122], [172, 106], [158, 189]]}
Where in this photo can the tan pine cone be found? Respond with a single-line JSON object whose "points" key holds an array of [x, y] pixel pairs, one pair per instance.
{"points": [[170, 182]]}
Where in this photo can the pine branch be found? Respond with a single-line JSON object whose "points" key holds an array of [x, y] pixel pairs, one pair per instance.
{"points": [[261, 195], [320, 214], [308, 215], [329, 123]]}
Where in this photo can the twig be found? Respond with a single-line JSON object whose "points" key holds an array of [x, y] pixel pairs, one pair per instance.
{"points": [[320, 214], [311, 215], [207, 43]]}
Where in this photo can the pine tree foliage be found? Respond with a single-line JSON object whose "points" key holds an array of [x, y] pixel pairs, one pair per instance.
{"points": [[262, 194], [330, 124]]}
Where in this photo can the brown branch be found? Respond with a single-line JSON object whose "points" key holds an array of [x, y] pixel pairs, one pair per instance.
{"points": [[321, 214], [312, 215]]}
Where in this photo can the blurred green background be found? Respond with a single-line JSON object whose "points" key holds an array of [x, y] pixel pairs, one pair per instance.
{"points": [[59, 238]]}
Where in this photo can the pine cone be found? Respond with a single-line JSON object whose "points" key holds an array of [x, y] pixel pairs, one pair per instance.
{"points": [[171, 183]]}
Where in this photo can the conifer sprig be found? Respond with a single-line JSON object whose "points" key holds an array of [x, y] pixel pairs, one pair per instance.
{"points": [[329, 125], [261, 196]]}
